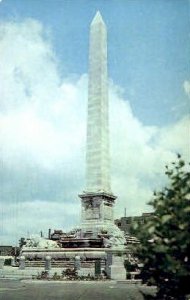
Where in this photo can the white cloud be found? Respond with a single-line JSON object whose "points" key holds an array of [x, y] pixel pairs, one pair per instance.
{"points": [[186, 86], [140, 154], [176, 136], [43, 128], [27, 63], [26, 218]]}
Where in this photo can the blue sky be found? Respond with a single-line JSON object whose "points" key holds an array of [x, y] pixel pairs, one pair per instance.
{"points": [[43, 100]]}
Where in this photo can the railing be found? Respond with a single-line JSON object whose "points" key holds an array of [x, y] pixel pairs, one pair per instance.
{"points": [[61, 264]]}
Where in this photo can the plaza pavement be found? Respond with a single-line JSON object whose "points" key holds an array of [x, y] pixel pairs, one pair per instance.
{"points": [[46, 290]]}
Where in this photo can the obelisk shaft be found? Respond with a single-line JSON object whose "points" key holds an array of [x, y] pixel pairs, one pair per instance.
{"points": [[97, 201], [97, 156]]}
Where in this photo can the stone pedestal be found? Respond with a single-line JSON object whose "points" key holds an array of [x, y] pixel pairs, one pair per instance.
{"points": [[77, 263], [2, 260], [47, 263], [12, 261], [115, 267], [97, 211], [22, 263]]}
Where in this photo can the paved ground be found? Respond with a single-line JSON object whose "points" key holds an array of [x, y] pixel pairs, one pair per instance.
{"points": [[19, 290]]}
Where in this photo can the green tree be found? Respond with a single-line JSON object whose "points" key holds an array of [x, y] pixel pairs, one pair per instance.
{"points": [[165, 240]]}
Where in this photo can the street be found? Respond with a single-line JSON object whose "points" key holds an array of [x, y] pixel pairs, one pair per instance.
{"points": [[45, 290]]}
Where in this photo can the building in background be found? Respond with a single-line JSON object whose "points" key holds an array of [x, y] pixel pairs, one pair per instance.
{"points": [[126, 223], [6, 250]]}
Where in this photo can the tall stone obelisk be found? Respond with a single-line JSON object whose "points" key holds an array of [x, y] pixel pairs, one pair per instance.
{"points": [[97, 200], [98, 159]]}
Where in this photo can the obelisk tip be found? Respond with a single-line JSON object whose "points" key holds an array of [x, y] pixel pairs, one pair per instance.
{"points": [[97, 18]]}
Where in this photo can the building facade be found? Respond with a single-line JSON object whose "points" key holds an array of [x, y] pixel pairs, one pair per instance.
{"points": [[126, 223]]}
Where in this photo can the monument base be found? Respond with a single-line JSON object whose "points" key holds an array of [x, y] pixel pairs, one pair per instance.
{"points": [[98, 219], [111, 262]]}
